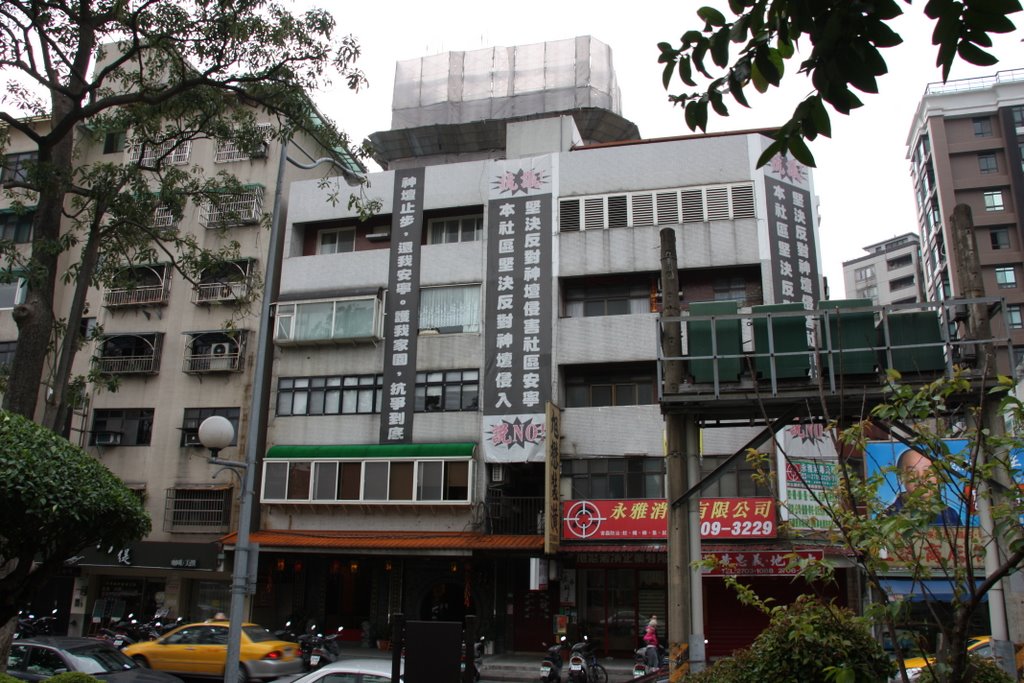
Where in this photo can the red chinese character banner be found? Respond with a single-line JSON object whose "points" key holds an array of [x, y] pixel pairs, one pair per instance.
{"points": [[720, 518]]}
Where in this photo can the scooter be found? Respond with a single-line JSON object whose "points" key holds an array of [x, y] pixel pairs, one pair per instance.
{"points": [[478, 659], [583, 664], [650, 659], [551, 667]]}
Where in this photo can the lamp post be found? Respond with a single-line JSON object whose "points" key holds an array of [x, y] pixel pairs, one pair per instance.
{"points": [[216, 432]]}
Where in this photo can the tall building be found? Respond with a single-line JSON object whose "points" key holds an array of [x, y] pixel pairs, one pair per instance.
{"points": [[180, 351], [465, 412], [890, 272], [965, 146]]}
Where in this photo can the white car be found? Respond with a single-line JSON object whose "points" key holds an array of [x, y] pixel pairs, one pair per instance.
{"points": [[356, 670]]}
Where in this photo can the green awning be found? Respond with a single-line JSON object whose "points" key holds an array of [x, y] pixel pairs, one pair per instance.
{"points": [[366, 451]]}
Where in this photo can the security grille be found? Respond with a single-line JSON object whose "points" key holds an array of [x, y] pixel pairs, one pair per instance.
{"points": [[163, 217], [231, 210], [228, 151], [198, 510], [169, 152], [664, 207]]}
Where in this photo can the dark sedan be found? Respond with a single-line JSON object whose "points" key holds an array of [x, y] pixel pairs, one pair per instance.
{"points": [[35, 659]]}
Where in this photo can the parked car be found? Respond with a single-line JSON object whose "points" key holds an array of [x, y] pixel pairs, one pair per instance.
{"points": [[201, 650], [978, 645], [355, 670], [38, 658]]}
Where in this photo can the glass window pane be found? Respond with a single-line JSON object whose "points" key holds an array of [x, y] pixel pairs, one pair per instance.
{"points": [[457, 485], [365, 404], [625, 394], [470, 397], [575, 396], [332, 402], [601, 395], [349, 481], [350, 401], [313, 321], [325, 480], [431, 476], [298, 480], [376, 485], [299, 402], [353, 319], [401, 481], [275, 478]]}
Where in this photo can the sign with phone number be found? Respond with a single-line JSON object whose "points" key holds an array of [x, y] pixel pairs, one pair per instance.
{"points": [[720, 518]]}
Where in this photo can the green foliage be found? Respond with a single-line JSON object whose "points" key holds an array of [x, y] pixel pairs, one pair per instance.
{"points": [[979, 670], [57, 499], [5, 678], [73, 677], [807, 641], [846, 40]]}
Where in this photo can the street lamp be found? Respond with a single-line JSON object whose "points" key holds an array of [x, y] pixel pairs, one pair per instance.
{"points": [[217, 432]]}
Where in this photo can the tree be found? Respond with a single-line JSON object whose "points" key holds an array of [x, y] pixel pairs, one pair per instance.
{"points": [[846, 39], [57, 500], [164, 72], [916, 534]]}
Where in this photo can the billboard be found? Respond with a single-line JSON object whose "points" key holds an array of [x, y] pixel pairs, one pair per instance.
{"points": [[647, 519]]}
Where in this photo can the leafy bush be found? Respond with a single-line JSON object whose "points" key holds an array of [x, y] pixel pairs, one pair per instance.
{"points": [[72, 677], [806, 642], [6, 678], [979, 670]]}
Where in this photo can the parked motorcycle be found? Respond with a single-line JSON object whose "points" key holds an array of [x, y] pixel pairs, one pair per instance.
{"points": [[650, 659], [551, 667], [583, 664], [323, 649], [30, 625], [478, 658]]}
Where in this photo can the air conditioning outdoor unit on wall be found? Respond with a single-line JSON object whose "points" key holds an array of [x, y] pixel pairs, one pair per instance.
{"points": [[222, 356], [192, 439], [220, 349]]}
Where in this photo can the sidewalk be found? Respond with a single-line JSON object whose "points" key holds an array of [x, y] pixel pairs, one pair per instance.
{"points": [[518, 666]]}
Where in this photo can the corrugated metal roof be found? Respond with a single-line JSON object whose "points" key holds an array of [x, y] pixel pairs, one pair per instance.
{"points": [[390, 540]]}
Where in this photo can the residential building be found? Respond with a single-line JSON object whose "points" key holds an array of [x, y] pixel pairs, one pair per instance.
{"points": [[890, 273], [180, 351], [465, 412], [965, 146]]}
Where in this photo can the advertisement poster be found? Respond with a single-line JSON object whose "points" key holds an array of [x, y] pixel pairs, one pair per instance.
{"points": [[905, 469], [807, 454]]}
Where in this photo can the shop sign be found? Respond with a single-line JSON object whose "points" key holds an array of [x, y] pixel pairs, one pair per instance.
{"points": [[757, 562], [807, 454], [151, 555], [720, 518], [794, 256]]}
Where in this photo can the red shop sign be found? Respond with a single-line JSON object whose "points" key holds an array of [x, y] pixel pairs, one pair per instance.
{"points": [[757, 562], [647, 519]]}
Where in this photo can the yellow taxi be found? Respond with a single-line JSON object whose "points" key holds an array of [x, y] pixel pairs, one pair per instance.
{"points": [[201, 650], [979, 645]]}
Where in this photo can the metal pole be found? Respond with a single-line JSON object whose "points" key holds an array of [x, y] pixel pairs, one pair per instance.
{"points": [[246, 554]]}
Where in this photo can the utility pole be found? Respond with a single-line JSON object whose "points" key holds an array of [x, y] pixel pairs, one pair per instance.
{"points": [[969, 279], [681, 445]]}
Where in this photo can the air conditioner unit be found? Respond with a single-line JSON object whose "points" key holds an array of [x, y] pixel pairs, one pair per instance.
{"points": [[108, 438], [220, 349], [192, 439], [497, 474]]}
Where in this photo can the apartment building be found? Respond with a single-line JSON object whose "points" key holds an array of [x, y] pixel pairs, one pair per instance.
{"points": [[180, 351], [890, 272], [465, 414], [965, 146]]}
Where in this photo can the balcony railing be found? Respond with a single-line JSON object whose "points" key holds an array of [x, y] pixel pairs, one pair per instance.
{"points": [[128, 365], [213, 362], [136, 296], [219, 292], [515, 515]]}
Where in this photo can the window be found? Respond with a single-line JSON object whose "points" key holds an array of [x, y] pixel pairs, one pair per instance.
{"points": [[1000, 238], [730, 289], [901, 283], [336, 241], [232, 150], [869, 292], [7, 353], [450, 310], [987, 163], [982, 126], [447, 391], [1006, 277], [994, 200], [198, 510], [865, 273], [13, 293], [357, 318], [16, 227], [1017, 114], [456, 229], [383, 481], [615, 478], [169, 152], [114, 142], [586, 297], [16, 165], [899, 262], [739, 479], [1014, 317], [194, 417], [338, 395], [127, 427], [624, 384]]}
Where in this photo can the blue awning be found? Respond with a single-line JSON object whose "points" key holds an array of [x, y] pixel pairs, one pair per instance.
{"points": [[922, 589]]}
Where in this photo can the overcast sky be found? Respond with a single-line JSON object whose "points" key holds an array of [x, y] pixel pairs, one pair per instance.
{"points": [[862, 178]]}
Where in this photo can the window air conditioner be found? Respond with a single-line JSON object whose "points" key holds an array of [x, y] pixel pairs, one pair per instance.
{"points": [[192, 439], [108, 438], [497, 474]]}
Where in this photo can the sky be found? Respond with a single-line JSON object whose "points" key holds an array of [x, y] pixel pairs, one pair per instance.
{"points": [[862, 178]]}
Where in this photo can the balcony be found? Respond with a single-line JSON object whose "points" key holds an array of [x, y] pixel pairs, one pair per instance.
{"points": [[129, 354], [515, 515], [147, 285], [225, 283], [233, 210], [213, 352]]}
